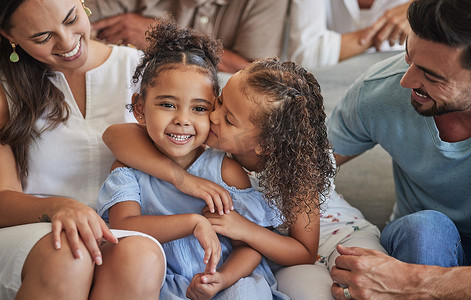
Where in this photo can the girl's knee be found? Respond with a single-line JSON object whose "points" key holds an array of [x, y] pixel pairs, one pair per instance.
{"points": [[136, 263], [139, 250], [137, 255]]}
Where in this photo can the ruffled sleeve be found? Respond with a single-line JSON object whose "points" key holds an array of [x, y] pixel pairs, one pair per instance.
{"points": [[250, 204], [120, 185]]}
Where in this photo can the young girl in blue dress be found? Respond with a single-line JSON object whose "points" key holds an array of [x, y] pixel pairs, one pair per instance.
{"points": [[178, 89], [270, 118]]}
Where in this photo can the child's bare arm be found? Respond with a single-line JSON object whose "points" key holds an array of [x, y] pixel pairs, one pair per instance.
{"points": [[300, 247], [132, 146], [127, 215]]}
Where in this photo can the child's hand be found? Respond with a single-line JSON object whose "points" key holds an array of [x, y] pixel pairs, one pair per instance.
{"points": [[209, 241], [233, 225], [204, 286], [216, 197]]}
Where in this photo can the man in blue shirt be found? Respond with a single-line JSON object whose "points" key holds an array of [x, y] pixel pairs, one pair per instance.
{"points": [[418, 108]]}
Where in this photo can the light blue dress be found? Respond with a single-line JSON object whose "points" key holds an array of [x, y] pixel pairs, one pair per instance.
{"points": [[185, 255]]}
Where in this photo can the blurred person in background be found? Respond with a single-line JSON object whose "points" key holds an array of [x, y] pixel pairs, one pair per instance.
{"points": [[249, 29], [325, 32]]}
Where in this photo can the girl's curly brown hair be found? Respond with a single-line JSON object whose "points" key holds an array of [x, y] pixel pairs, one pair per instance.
{"points": [[296, 156], [170, 46]]}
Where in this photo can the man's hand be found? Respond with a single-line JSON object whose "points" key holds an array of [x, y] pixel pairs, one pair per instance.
{"points": [[370, 274], [128, 28]]}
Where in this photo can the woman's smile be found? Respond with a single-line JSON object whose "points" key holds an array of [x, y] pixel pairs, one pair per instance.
{"points": [[74, 53]]}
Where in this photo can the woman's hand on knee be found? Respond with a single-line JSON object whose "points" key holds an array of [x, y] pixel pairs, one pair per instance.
{"points": [[80, 222]]}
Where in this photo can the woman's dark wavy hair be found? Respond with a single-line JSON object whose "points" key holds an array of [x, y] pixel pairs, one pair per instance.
{"points": [[296, 161], [443, 21], [171, 46], [31, 95]]}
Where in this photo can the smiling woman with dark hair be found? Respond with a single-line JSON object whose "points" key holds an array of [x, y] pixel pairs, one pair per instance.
{"points": [[59, 90]]}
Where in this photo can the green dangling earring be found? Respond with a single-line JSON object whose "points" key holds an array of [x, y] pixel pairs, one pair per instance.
{"points": [[86, 9], [14, 56]]}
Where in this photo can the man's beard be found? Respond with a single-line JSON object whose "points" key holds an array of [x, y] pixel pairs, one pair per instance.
{"points": [[429, 112], [444, 109]]}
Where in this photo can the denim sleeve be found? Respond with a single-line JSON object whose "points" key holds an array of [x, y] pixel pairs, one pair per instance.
{"points": [[120, 185]]}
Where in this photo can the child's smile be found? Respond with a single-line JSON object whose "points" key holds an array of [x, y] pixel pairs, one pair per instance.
{"points": [[179, 139], [176, 112]]}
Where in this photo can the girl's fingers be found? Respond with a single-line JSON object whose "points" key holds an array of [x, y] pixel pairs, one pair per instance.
{"points": [[216, 255], [212, 262], [209, 202], [221, 200], [207, 256], [226, 201], [218, 202]]}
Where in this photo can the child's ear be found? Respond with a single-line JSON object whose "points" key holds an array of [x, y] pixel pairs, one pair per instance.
{"points": [[259, 150], [138, 109]]}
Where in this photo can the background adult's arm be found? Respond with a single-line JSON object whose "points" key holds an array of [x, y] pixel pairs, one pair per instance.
{"points": [[232, 62], [370, 274], [357, 42], [313, 45], [128, 28]]}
